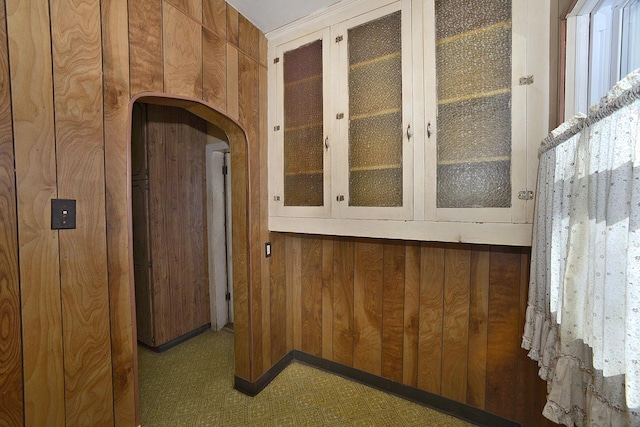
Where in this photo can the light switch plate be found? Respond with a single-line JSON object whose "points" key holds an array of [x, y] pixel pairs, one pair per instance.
{"points": [[63, 214], [267, 249]]}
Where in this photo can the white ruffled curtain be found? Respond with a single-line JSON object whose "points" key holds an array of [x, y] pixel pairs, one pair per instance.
{"points": [[583, 315]]}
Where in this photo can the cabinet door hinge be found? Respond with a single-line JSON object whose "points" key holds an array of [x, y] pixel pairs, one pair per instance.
{"points": [[225, 170], [525, 195], [527, 80], [339, 39], [227, 296], [276, 60]]}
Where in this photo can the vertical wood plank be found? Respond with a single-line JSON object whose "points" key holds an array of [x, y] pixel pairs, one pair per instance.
{"points": [[141, 261], [294, 270], [478, 314], [214, 64], [411, 314], [157, 216], [393, 310], [214, 17], [182, 53], [249, 116], [77, 71], [343, 275], [263, 49], [264, 211], [312, 295], [240, 249], [175, 144], [232, 82], [278, 298], [367, 301], [145, 46], [327, 297], [34, 141], [532, 390], [503, 342], [192, 8], [11, 397], [455, 343], [115, 48], [248, 38], [232, 25], [431, 312]]}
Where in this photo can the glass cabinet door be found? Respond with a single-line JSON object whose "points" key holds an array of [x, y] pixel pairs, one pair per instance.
{"points": [[302, 135], [473, 71], [477, 127], [377, 87], [375, 112], [303, 126]]}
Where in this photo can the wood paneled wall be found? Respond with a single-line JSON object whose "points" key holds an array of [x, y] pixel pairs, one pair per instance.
{"points": [[70, 72], [10, 339], [445, 318]]}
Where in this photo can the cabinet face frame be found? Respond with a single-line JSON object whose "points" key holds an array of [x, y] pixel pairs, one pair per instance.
{"points": [[523, 63], [276, 150]]}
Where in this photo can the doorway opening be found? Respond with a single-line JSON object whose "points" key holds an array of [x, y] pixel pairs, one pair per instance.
{"points": [[241, 207], [218, 177], [181, 200]]}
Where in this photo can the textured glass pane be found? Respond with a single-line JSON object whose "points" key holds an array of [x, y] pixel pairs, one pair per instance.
{"points": [[375, 113], [483, 134], [312, 196], [374, 141], [387, 182], [303, 130], [473, 70], [474, 185], [455, 17]]}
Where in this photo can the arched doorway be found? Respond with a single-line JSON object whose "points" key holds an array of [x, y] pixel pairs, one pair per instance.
{"points": [[240, 209]]}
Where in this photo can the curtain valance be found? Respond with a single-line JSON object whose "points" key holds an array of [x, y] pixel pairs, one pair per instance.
{"points": [[583, 315]]}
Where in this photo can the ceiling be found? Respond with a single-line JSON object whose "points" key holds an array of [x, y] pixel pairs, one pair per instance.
{"points": [[269, 15]]}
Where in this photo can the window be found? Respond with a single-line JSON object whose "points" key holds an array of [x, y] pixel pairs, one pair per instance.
{"points": [[603, 46]]}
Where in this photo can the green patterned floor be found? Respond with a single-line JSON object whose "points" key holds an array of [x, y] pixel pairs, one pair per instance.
{"points": [[192, 385]]}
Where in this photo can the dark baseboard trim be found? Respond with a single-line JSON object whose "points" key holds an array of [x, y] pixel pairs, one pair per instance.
{"points": [[442, 404], [174, 342], [252, 389]]}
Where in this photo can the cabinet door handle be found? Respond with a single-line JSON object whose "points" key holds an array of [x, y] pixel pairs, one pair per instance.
{"points": [[409, 132], [429, 130], [326, 143]]}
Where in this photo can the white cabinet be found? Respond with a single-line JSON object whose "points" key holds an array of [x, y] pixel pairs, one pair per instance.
{"points": [[341, 139], [409, 119]]}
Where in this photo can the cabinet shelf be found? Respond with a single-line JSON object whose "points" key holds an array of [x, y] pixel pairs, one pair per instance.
{"points": [[302, 81], [498, 26], [472, 96], [302, 127], [304, 173], [373, 61], [475, 160], [375, 168], [375, 114]]}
